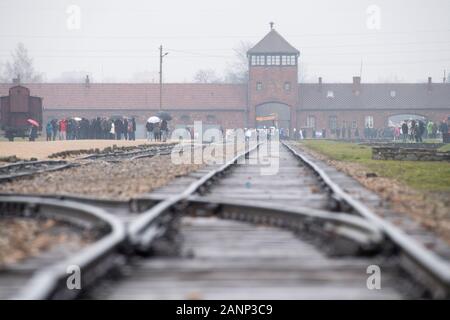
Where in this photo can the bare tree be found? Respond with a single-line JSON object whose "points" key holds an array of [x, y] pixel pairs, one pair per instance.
{"points": [[237, 72], [206, 76], [21, 66], [2, 78]]}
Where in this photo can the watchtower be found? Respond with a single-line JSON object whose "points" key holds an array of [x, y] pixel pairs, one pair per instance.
{"points": [[273, 81]]}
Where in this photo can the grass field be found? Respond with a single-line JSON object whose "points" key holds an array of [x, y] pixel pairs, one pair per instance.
{"points": [[424, 176], [445, 147]]}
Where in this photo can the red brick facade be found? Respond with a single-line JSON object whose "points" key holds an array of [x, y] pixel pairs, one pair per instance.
{"points": [[272, 84]]}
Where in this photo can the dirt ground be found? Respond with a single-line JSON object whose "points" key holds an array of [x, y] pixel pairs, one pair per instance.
{"points": [[23, 237], [121, 181], [42, 149]]}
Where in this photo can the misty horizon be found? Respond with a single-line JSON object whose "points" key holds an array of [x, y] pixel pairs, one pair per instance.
{"points": [[117, 43]]}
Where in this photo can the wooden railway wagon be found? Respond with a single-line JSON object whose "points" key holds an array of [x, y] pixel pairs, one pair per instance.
{"points": [[16, 109]]}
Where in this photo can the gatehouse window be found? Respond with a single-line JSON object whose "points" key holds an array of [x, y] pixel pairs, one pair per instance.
{"points": [[258, 60], [330, 94], [332, 122], [293, 60], [276, 60], [273, 60], [393, 93], [210, 118], [288, 60], [354, 124], [258, 86], [311, 121], [368, 122]]}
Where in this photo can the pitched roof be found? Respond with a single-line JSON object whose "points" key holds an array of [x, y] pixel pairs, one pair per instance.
{"points": [[374, 96], [273, 42], [137, 95]]}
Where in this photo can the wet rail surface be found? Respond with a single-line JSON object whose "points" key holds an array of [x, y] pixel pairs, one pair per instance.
{"points": [[213, 258], [96, 250], [133, 154], [224, 259], [227, 232], [25, 169]]}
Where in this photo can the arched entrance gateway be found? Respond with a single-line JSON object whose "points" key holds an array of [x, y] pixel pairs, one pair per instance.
{"points": [[273, 114]]}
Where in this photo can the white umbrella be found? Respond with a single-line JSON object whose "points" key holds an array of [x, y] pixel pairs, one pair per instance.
{"points": [[76, 118], [154, 119]]}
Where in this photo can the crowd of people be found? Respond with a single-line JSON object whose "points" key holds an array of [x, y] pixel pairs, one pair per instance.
{"points": [[158, 131], [413, 130], [416, 130], [97, 128], [407, 131]]}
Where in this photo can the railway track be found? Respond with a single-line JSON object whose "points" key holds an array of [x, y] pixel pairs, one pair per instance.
{"points": [[29, 168], [25, 169], [228, 232], [45, 275], [258, 255], [141, 152]]}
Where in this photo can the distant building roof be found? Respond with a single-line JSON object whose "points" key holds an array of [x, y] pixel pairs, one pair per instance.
{"points": [[325, 96], [138, 95], [374, 96], [273, 42]]}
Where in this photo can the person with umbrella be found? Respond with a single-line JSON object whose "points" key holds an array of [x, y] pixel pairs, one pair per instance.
{"points": [[164, 116], [153, 127], [33, 130]]}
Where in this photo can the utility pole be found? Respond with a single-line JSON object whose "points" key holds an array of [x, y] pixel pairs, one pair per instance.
{"points": [[361, 69], [161, 56]]}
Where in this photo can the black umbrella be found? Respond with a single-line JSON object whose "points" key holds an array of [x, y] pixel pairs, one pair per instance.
{"points": [[164, 115]]}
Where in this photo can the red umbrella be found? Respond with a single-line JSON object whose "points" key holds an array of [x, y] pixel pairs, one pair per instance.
{"points": [[33, 122]]}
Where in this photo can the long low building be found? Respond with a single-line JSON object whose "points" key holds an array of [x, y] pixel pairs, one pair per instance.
{"points": [[272, 96]]}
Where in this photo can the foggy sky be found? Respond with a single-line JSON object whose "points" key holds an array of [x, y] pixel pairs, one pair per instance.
{"points": [[119, 39]]}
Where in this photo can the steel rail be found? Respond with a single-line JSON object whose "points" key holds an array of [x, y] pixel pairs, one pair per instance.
{"points": [[94, 261], [434, 272], [58, 165], [145, 228], [357, 236], [141, 153]]}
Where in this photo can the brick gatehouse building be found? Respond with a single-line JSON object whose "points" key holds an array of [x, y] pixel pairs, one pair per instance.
{"points": [[272, 92]]}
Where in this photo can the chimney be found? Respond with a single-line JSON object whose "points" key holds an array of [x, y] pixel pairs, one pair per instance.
{"points": [[320, 84], [356, 85], [430, 82], [87, 81]]}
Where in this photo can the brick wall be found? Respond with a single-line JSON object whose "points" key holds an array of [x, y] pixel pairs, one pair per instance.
{"points": [[380, 116], [272, 79]]}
